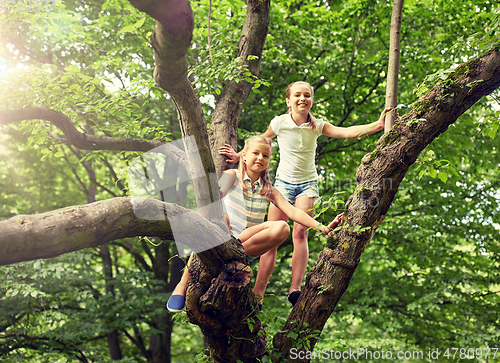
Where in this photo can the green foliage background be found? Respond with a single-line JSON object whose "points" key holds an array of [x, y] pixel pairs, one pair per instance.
{"points": [[428, 280]]}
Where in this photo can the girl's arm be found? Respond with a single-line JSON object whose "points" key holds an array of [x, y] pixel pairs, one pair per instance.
{"points": [[225, 181], [269, 133], [296, 214], [353, 132], [233, 156]]}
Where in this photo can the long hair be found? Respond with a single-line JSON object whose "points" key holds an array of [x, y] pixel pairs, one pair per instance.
{"points": [[310, 118], [264, 174]]}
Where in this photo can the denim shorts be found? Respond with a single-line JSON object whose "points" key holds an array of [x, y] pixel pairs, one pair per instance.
{"points": [[292, 191]]}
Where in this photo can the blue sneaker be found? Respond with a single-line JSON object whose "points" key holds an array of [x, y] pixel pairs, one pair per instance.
{"points": [[176, 303]]}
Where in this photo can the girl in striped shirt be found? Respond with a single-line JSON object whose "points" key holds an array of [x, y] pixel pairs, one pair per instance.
{"points": [[247, 193]]}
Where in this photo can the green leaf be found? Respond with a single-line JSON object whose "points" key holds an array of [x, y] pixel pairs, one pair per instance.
{"points": [[140, 23], [292, 335], [132, 27], [127, 29], [443, 176], [452, 170]]}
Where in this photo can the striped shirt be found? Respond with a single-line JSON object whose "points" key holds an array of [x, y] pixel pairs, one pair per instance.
{"points": [[245, 208]]}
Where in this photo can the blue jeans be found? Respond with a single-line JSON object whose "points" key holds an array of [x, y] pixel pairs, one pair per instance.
{"points": [[292, 191]]}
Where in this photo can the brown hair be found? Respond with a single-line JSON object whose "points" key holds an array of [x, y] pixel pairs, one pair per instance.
{"points": [[310, 118], [264, 175]]}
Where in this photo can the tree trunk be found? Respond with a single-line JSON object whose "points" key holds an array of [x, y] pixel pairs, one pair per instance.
{"points": [[391, 94], [159, 344], [232, 334], [113, 337], [223, 125]]}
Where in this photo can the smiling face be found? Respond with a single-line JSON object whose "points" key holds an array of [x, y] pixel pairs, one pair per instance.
{"points": [[256, 157], [299, 98]]}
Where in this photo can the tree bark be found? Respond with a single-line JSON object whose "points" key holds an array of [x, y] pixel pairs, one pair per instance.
{"points": [[159, 344], [223, 125], [45, 235], [391, 94], [378, 177], [113, 338], [232, 334]]}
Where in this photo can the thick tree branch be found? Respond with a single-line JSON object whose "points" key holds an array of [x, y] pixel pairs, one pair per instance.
{"points": [[171, 41], [223, 125], [45, 235], [76, 138], [391, 94]]}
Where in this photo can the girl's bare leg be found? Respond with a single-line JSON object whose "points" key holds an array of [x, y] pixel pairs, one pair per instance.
{"points": [[263, 240], [180, 288], [264, 237], [300, 254], [266, 268], [267, 260]]}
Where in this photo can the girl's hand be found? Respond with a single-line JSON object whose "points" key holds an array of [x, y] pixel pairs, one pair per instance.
{"points": [[381, 120], [230, 153], [323, 229], [336, 221]]}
